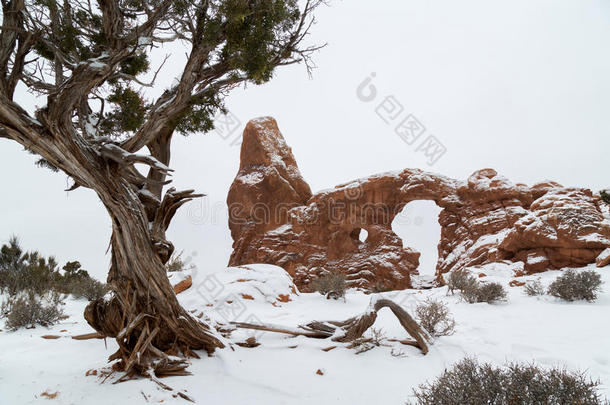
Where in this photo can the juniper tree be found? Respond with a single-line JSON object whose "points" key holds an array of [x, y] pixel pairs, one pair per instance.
{"points": [[87, 62], [25, 271]]}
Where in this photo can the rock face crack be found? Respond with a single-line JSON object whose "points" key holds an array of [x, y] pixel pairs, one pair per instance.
{"points": [[275, 219]]}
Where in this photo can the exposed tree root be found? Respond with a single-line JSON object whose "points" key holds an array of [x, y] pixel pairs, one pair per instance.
{"points": [[151, 343], [352, 328]]}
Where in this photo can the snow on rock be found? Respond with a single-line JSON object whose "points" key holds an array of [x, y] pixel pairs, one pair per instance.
{"points": [[275, 219], [180, 280], [604, 258], [261, 283], [268, 183], [501, 270], [251, 178], [564, 227]]}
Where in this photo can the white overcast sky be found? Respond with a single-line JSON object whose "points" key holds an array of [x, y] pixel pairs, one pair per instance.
{"points": [[522, 86]]}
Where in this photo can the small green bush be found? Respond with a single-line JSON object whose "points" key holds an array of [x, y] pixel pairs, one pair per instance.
{"points": [[573, 286], [605, 194], [469, 382], [27, 310], [380, 287], [435, 317], [77, 282], [21, 271], [332, 285]]}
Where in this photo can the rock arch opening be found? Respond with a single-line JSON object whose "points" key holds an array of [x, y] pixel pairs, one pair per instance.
{"points": [[359, 235], [418, 227]]}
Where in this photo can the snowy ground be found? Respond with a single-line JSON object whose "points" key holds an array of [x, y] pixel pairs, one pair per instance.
{"points": [[544, 330]]}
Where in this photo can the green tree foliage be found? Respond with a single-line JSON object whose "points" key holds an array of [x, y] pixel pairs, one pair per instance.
{"points": [[31, 273], [129, 112], [20, 271], [245, 40]]}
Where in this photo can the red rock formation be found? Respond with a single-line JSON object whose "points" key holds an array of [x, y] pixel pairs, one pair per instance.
{"points": [[275, 219], [564, 227], [545, 226], [604, 258], [267, 185], [183, 285]]}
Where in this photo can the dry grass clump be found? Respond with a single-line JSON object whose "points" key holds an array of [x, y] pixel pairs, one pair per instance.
{"points": [[434, 316]]}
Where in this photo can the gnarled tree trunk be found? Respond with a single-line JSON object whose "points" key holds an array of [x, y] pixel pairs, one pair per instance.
{"points": [[144, 315]]}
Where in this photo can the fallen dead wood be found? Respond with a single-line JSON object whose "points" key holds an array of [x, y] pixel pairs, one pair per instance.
{"points": [[280, 329], [250, 343], [405, 342], [88, 336], [352, 328]]}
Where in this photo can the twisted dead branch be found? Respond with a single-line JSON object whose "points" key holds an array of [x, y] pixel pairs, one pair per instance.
{"points": [[352, 328]]}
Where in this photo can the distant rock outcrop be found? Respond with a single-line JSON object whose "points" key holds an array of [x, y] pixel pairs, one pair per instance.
{"points": [[275, 219]]}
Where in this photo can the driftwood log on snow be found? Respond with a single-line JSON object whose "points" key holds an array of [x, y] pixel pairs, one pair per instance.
{"points": [[352, 328]]}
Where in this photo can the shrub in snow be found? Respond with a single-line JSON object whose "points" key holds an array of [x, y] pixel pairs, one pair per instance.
{"points": [[469, 382], [487, 292], [88, 288], [534, 288], [176, 263], [460, 280], [605, 194], [77, 282], [363, 344], [572, 285], [434, 317], [471, 290], [27, 310], [483, 292], [332, 285]]}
